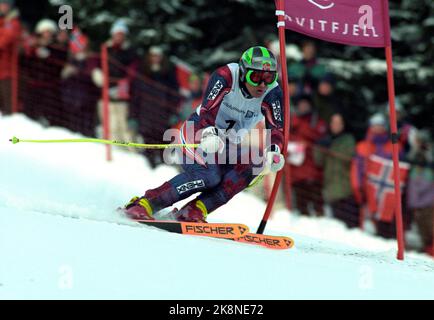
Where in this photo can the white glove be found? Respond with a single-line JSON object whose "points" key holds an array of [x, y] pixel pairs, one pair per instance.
{"points": [[97, 77], [42, 53], [68, 71], [274, 159], [210, 141]]}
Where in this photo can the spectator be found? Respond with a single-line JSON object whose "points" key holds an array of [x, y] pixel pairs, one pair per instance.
{"points": [[155, 99], [27, 41], [45, 61], [334, 154], [406, 130], [191, 100], [308, 71], [407, 134], [306, 177], [79, 93], [377, 142], [324, 98], [421, 188], [122, 59], [295, 89], [62, 39], [10, 30]]}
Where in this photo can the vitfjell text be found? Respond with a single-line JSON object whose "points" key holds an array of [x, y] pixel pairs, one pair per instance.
{"points": [[333, 27]]}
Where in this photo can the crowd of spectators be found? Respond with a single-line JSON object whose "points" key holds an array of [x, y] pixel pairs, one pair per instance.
{"points": [[10, 31], [329, 168], [60, 81]]}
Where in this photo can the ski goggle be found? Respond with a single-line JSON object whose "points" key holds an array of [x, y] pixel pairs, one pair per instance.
{"points": [[255, 77]]}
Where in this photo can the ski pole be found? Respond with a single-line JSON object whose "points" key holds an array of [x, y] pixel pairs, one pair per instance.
{"points": [[256, 180], [15, 140], [259, 177]]}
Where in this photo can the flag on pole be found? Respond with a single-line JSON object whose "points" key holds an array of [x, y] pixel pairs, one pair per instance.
{"points": [[380, 191], [78, 41], [364, 23], [351, 22]]}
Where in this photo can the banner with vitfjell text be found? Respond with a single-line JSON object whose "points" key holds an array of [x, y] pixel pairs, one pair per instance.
{"points": [[353, 22]]}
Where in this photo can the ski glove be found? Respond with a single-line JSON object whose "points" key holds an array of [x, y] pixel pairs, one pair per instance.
{"points": [[274, 159], [210, 141]]}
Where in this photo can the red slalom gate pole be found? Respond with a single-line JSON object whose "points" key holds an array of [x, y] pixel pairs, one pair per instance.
{"points": [[394, 133], [280, 6], [266, 181], [106, 100], [395, 149]]}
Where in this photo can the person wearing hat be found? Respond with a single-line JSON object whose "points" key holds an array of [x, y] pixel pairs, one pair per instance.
{"points": [[334, 154], [155, 101], [10, 30], [306, 178], [45, 61], [307, 71], [325, 99], [420, 191], [46, 29], [377, 142], [406, 131], [122, 59], [238, 96], [119, 31], [79, 94]]}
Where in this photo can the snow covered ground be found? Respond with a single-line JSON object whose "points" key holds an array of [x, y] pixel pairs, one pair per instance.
{"points": [[61, 238]]}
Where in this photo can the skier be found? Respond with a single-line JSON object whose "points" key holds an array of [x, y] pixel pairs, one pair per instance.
{"points": [[238, 96]]}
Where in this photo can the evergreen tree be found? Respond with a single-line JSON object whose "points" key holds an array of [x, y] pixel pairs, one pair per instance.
{"points": [[209, 33]]}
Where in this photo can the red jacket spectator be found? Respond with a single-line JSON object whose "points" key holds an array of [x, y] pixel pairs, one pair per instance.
{"points": [[377, 142], [10, 29], [43, 65], [307, 128]]}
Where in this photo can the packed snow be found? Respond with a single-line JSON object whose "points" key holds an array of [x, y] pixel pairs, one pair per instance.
{"points": [[61, 238]]}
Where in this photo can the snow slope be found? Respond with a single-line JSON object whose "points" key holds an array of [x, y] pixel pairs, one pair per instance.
{"points": [[61, 238]]}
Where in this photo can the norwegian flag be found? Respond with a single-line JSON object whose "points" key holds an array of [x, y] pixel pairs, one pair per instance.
{"points": [[380, 190], [77, 41]]}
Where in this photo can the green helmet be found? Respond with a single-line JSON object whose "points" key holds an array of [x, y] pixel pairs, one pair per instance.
{"points": [[257, 58]]}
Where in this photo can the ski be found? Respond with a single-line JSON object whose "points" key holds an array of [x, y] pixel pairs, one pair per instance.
{"points": [[214, 230], [270, 242]]}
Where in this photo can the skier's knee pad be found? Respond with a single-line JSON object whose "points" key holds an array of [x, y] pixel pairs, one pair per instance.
{"points": [[212, 179]]}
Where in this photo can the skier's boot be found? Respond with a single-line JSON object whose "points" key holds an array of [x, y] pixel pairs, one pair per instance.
{"points": [[194, 211], [139, 209]]}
